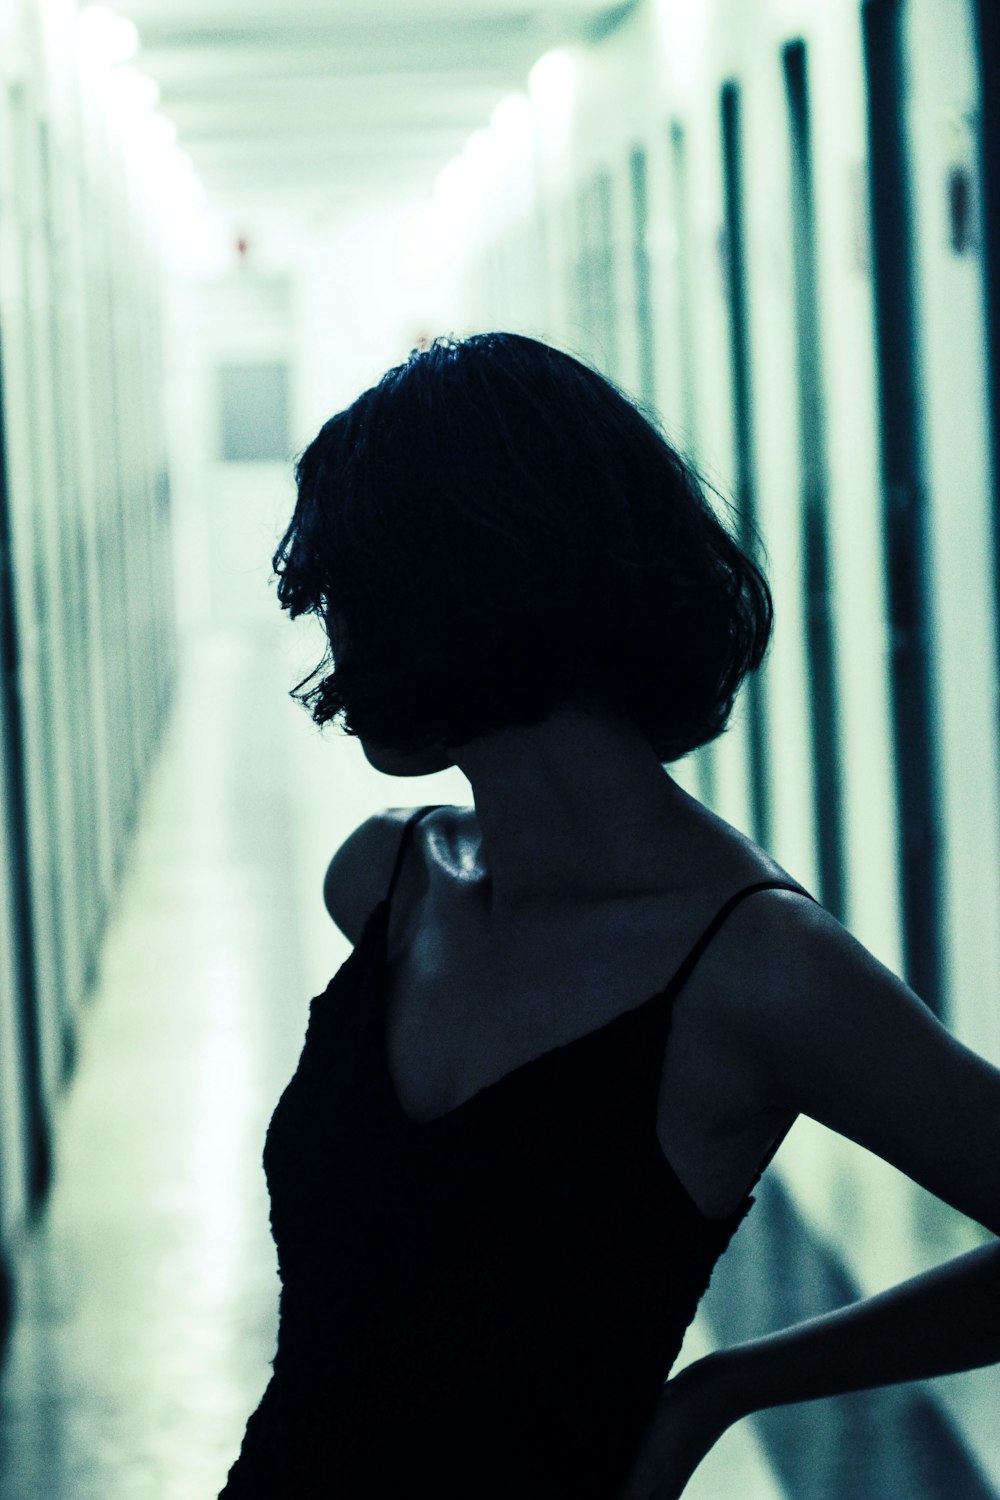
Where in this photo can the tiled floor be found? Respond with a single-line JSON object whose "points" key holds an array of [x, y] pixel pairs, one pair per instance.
{"points": [[147, 1296]]}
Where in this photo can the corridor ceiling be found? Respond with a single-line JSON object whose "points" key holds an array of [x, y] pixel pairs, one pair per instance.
{"points": [[320, 107]]}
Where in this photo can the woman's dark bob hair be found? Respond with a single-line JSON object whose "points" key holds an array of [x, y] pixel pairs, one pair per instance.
{"points": [[494, 530]]}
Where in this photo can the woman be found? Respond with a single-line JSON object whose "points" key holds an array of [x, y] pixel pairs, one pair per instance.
{"points": [[580, 1017]]}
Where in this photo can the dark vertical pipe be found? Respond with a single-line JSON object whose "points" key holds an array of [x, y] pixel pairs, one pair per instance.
{"points": [[823, 714], [904, 500], [745, 464], [684, 309], [988, 51], [15, 840]]}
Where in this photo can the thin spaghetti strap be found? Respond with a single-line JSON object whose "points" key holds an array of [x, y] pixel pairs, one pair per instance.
{"points": [[408, 827], [683, 974]]}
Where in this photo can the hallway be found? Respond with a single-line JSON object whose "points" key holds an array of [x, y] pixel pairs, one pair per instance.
{"points": [[775, 228]]}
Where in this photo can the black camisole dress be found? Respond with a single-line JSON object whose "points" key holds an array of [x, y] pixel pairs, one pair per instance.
{"points": [[482, 1305]]}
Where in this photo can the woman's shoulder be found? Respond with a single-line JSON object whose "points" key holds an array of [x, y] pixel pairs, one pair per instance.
{"points": [[357, 877], [795, 992], [834, 1034]]}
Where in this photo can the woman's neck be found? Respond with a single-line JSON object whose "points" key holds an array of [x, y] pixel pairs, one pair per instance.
{"points": [[577, 807]]}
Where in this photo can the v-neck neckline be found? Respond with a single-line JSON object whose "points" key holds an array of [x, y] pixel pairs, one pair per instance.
{"points": [[381, 1022], [666, 994], [724, 1227], [378, 923]]}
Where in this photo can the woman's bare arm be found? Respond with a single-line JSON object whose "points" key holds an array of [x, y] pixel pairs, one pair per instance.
{"points": [[838, 1037], [936, 1324], [939, 1323], [842, 1039]]}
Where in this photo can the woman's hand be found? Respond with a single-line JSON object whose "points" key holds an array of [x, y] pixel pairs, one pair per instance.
{"points": [[691, 1417]]}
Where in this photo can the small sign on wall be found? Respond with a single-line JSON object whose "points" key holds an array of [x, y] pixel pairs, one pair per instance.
{"points": [[959, 135]]}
